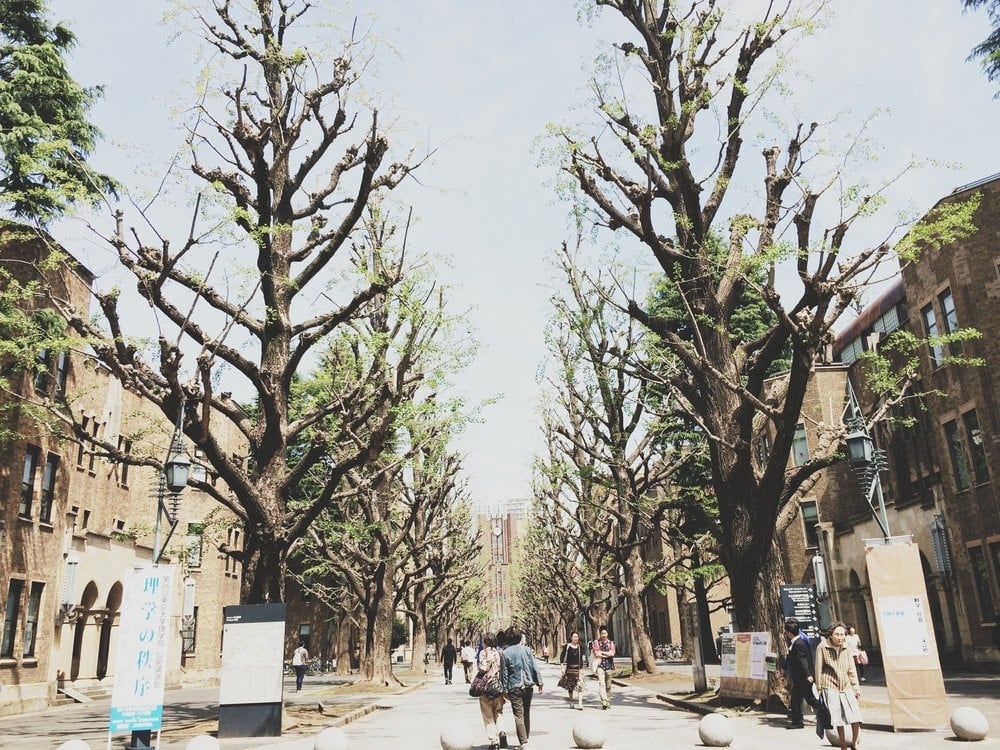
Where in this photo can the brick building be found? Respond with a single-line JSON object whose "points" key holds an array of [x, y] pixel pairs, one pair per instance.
{"points": [[938, 479], [73, 524]]}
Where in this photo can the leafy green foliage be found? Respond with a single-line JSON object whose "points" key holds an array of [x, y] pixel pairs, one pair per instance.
{"points": [[988, 51], [45, 137]]}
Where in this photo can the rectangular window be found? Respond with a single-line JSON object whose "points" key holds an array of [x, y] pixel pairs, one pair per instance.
{"points": [[763, 450], [974, 434], [125, 447], [949, 318], [959, 460], [12, 613], [995, 554], [62, 373], [800, 447], [95, 426], [190, 644], [48, 487], [43, 368], [930, 325], [810, 517], [31, 621], [28, 481], [194, 537], [81, 451], [982, 580]]}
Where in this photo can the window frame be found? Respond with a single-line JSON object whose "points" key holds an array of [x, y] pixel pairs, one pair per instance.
{"points": [[809, 529], [47, 496], [800, 428], [979, 568], [949, 318], [11, 617], [30, 637], [977, 451], [960, 464], [936, 351], [28, 472]]}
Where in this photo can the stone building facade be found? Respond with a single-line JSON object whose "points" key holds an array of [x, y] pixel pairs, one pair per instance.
{"points": [[73, 524]]}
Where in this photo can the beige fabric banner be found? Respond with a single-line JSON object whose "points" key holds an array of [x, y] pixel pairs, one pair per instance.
{"points": [[909, 652]]}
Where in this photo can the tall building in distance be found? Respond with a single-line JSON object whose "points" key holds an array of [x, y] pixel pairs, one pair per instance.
{"points": [[499, 525]]}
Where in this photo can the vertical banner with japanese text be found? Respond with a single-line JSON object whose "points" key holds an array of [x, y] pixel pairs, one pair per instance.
{"points": [[917, 699], [143, 640]]}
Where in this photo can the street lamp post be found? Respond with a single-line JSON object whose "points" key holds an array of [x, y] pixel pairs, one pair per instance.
{"points": [[867, 461], [174, 477]]}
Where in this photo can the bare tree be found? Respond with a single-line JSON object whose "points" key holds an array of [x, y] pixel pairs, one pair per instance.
{"points": [[660, 172], [278, 257]]}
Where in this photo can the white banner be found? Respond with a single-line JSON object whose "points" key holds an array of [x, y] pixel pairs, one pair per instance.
{"points": [[143, 642]]}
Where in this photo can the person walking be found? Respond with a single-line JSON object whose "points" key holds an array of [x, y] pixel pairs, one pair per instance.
{"points": [[520, 676], [853, 644], [799, 671], [491, 663], [572, 662], [838, 681], [448, 657], [604, 649], [300, 658], [468, 656]]}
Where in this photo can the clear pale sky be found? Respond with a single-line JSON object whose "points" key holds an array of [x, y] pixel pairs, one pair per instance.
{"points": [[481, 79]]}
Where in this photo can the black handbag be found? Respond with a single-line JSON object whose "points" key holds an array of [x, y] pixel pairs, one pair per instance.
{"points": [[478, 686], [823, 720]]}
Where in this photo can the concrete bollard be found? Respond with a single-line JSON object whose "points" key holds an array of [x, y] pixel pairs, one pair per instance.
{"points": [[969, 724], [716, 730], [456, 735], [202, 742], [331, 738], [74, 745], [589, 732]]}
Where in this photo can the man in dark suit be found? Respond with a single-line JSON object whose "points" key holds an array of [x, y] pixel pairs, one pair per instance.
{"points": [[799, 670]]}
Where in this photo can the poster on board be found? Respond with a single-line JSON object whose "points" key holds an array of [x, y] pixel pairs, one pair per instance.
{"points": [[744, 671]]}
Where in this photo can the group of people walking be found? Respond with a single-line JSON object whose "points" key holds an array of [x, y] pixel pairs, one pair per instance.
{"points": [[827, 680], [507, 665]]}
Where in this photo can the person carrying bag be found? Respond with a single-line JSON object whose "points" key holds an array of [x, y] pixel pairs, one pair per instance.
{"points": [[572, 662]]}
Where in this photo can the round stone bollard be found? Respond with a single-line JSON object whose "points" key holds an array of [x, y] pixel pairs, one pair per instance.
{"points": [[331, 738], [456, 735], [715, 730], [74, 745], [202, 742], [969, 724], [589, 732]]}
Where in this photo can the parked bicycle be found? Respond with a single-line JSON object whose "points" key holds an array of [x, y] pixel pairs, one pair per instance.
{"points": [[669, 651]]}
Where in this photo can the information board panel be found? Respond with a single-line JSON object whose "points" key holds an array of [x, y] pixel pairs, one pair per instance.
{"points": [[744, 671]]}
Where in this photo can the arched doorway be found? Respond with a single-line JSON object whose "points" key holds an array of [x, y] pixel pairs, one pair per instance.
{"points": [[112, 605], [86, 604]]}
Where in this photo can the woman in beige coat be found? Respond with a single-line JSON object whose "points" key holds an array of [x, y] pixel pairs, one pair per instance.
{"points": [[837, 680]]}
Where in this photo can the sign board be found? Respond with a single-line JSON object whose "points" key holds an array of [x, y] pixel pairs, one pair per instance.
{"points": [[744, 665], [143, 640], [250, 681], [798, 600], [909, 651]]}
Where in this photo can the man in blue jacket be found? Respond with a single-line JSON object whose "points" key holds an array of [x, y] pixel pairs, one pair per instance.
{"points": [[799, 669], [520, 676]]}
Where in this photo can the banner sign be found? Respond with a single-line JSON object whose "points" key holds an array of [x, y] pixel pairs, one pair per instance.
{"points": [[143, 640]]}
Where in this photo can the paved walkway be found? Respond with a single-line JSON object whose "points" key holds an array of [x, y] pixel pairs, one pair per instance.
{"points": [[415, 719]]}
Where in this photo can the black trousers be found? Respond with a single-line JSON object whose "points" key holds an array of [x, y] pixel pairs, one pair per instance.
{"points": [[447, 670], [801, 691]]}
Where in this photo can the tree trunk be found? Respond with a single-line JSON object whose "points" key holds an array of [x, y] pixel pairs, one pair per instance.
{"points": [[344, 645], [378, 629], [643, 659], [265, 563], [419, 642], [597, 614]]}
